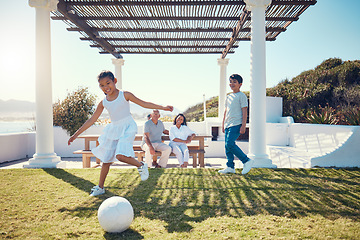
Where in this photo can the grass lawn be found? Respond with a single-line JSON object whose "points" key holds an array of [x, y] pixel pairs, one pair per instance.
{"points": [[184, 204]]}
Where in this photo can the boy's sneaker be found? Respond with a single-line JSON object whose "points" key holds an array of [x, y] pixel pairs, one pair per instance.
{"points": [[144, 172], [227, 170], [247, 166], [97, 191]]}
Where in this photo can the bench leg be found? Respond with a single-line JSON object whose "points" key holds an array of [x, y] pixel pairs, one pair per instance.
{"points": [[194, 155], [140, 157], [201, 160], [86, 161]]}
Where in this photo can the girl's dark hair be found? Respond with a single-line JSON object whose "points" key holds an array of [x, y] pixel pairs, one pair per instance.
{"points": [[236, 77], [180, 114], [105, 74]]}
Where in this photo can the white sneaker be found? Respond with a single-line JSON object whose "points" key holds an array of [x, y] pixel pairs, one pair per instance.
{"points": [[144, 172], [97, 191], [227, 170], [247, 166]]}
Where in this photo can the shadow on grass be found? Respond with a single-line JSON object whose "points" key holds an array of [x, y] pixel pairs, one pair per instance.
{"points": [[128, 234], [90, 207], [180, 197], [78, 182]]}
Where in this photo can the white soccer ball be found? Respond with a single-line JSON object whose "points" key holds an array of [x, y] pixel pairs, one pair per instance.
{"points": [[115, 214]]}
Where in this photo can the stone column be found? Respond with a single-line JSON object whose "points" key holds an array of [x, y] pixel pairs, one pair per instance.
{"points": [[222, 62], [45, 157], [118, 62], [257, 130]]}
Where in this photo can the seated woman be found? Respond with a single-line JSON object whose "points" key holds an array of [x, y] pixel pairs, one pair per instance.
{"points": [[180, 135]]}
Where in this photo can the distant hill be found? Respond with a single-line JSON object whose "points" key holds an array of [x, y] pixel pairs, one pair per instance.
{"points": [[140, 112], [11, 106], [332, 88], [196, 112]]}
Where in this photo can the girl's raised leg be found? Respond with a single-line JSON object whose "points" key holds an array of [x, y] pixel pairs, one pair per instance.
{"points": [[142, 167], [128, 160]]}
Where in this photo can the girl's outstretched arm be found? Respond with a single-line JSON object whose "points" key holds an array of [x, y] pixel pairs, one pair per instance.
{"points": [[131, 97], [88, 123]]}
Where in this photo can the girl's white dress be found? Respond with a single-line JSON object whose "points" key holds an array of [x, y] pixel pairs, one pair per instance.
{"points": [[118, 136]]}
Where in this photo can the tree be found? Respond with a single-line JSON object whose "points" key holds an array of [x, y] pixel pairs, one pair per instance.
{"points": [[74, 110]]}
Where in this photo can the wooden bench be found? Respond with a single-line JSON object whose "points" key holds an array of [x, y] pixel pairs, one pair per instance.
{"points": [[195, 151], [140, 154]]}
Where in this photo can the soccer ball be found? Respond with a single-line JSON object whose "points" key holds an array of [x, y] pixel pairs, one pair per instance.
{"points": [[115, 214]]}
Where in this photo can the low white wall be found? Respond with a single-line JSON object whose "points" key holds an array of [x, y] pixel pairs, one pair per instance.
{"points": [[273, 109], [319, 139], [318, 145], [61, 147], [327, 145], [345, 155], [277, 134], [14, 146]]}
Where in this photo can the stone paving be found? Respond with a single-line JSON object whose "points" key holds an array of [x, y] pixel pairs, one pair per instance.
{"points": [[77, 163]]}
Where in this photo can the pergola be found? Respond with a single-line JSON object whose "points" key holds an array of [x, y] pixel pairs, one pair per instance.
{"points": [[120, 27]]}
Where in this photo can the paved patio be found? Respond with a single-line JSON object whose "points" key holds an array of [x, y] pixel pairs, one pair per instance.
{"points": [[77, 163]]}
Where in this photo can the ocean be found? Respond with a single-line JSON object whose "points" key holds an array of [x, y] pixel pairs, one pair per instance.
{"points": [[25, 122], [15, 127], [17, 122]]}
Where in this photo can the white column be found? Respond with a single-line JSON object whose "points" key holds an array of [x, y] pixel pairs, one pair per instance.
{"points": [[222, 62], [118, 62], [257, 130], [45, 157]]}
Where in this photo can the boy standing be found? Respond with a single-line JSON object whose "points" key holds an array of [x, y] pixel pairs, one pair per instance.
{"points": [[234, 124]]}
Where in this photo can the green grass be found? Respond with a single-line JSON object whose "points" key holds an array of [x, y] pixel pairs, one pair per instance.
{"points": [[184, 204]]}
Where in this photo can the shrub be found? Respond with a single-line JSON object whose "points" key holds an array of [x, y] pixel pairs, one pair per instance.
{"points": [[329, 64], [324, 115], [352, 117], [74, 110], [167, 118]]}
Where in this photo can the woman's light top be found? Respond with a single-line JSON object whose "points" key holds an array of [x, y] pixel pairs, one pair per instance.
{"points": [[182, 133]]}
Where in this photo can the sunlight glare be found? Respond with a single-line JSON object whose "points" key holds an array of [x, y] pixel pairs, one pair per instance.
{"points": [[9, 63]]}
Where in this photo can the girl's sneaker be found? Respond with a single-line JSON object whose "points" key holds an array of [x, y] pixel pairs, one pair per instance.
{"points": [[95, 191], [144, 172]]}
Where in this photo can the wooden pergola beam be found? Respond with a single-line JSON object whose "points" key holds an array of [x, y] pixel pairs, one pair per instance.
{"points": [[173, 39], [63, 8], [182, 3], [167, 18], [170, 46], [158, 3], [163, 52], [157, 39], [239, 27], [268, 29]]}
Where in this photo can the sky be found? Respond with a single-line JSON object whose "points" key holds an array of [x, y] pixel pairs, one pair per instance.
{"points": [[326, 30]]}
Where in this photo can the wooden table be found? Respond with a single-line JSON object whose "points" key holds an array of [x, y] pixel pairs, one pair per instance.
{"points": [[88, 139], [199, 138]]}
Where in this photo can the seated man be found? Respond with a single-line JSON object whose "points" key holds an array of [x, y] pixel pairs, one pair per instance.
{"points": [[153, 130]]}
